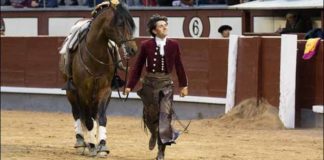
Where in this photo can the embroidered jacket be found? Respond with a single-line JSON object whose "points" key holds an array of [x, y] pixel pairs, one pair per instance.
{"points": [[150, 58]]}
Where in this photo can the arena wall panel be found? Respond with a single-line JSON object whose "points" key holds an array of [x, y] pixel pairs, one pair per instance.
{"points": [[310, 81], [33, 62], [270, 70]]}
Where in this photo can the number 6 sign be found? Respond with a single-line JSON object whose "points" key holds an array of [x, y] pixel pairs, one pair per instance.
{"points": [[195, 27]]}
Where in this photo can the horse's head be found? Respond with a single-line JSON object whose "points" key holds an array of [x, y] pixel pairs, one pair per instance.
{"points": [[119, 27]]}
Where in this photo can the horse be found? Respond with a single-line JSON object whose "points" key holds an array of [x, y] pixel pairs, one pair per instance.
{"points": [[93, 66]]}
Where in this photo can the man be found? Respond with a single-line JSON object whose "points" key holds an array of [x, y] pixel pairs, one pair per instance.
{"points": [[295, 24], [225, 30], [159, 55], [2, 27]]}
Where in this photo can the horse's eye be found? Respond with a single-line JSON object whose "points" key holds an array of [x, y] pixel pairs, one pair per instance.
{"points": [[120, 24]]}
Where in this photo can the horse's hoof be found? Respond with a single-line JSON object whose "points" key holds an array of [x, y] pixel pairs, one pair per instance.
{"points": [[79, 141], [102, 150], [159, 158], [80, 145], [81, 150], [92, 150], [102, 154]]}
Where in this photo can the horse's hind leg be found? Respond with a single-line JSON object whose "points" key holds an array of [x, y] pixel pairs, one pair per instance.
{"points": [[80, 143]]}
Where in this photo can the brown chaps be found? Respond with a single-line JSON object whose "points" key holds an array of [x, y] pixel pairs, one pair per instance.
{"points": [[157, 97]]}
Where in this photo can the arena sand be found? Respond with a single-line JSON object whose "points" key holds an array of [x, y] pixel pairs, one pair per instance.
{"points": [[50, 136]]}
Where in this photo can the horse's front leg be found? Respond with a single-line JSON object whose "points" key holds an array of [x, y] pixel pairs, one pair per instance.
{"points": [[91, 125], [80, 144], [102, 119]]}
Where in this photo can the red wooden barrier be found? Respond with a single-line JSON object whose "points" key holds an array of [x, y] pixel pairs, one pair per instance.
{"points": [[33, 62]]}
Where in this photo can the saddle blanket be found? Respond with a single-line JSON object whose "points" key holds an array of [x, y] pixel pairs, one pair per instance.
{"points": [[71, 41]]}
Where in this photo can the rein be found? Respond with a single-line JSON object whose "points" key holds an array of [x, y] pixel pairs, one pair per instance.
{"points": [[96, 60], [106, 64], [126, 77], [185, 127]]}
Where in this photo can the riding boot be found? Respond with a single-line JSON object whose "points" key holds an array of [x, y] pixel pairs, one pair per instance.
{"points": [[153, 130], [152, 141], [161, 151], [69, 83]]}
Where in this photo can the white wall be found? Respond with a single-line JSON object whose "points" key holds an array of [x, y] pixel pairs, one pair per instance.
{"points": [[268, 24], [21, 26], [137, 24], [175, 27], [61, 26]]}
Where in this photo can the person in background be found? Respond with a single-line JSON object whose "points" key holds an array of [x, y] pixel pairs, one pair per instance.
{"points": [[48, 3], [2, 27], [7, 3], [149, 2], [74, 3], [183, 3], [295, 23], [244, 1], [20, 3], [133, 2], [92, 3], [164, 2], [159, 56], [34, 4], [211, 2], [225, 30]]}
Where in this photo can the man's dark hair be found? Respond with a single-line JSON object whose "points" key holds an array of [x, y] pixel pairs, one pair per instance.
{"points": [[223, 28], [151, 24]]}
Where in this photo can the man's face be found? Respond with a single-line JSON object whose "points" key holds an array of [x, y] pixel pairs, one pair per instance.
{"points": [[291, 19], [226, 33], [161, 29]]}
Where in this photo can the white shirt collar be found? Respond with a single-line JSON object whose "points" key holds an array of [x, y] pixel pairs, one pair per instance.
{"points": [[160, 40], [161, 43]]}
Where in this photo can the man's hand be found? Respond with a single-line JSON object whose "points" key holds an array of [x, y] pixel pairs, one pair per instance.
{"points": [[126, 91], [183, 91]]}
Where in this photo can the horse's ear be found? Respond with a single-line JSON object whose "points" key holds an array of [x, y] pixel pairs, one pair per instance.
{"points": [[114, 3], [118, 18]]}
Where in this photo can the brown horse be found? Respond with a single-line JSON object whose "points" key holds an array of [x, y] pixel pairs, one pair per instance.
{"points": [[93, 66]]}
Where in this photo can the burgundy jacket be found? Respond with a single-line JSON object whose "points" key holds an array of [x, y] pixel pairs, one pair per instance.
{"points": [[154, 62]]}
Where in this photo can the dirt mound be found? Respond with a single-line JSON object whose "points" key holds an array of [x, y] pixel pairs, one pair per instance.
{"points": [[249, 115]]}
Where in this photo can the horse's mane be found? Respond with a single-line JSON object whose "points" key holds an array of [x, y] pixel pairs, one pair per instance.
{"points": [[122, 16]]}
